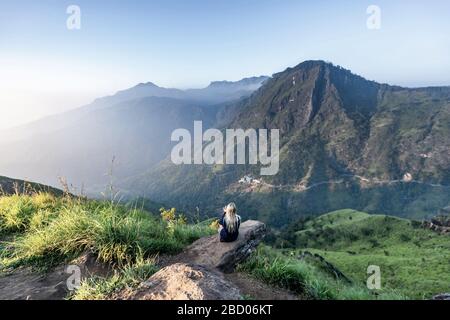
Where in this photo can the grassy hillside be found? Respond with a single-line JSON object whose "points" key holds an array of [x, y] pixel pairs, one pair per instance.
{"points": [[308, 278], [43, 231], [11, 186], [413, 260], [48, 230]]}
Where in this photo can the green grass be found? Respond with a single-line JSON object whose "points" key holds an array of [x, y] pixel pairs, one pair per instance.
{"points": [[272, 267], [19, 213], [334, 219], [43, 231], [413, 260], [47, 231]]}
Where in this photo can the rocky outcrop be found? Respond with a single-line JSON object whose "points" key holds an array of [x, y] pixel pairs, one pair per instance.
{"points": [[439, 224], [210, 252], [443, 296], [183, 281], [198, 272], [441, 220]]}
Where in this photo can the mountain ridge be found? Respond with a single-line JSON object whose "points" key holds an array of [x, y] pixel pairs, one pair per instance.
{"points": [[332, 123], [10, 186], [133, 127]]}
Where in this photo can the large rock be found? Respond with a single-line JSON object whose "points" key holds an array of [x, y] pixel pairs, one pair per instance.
{"points": [[443, 296], [182, 281], [210, 252], [197, 273]]}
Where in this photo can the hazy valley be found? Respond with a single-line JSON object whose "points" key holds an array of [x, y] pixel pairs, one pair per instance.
{"points": [[345, 143], [364, 171]]}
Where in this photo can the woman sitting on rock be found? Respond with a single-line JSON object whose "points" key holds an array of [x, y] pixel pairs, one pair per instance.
{"points": [[229, 224]]}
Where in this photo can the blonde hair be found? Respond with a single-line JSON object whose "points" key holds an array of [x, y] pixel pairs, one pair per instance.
{"points": [[231, 218]]}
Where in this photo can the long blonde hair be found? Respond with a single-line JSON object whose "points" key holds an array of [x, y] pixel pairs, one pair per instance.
{"points": [[231, 218]]}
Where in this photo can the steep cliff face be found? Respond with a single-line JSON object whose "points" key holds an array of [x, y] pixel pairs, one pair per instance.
{"points": [[352, 125]]}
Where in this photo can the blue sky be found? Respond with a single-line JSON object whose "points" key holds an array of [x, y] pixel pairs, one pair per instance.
{"points": [[47, 68]]}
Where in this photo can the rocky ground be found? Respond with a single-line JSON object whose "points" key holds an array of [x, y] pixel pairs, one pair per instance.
{"points": [[25, 284], [204, 271]]}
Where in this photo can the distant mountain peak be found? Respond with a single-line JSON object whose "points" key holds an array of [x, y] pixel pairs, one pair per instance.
{"points": [[312, 64], [250, 81], [147, 84]]}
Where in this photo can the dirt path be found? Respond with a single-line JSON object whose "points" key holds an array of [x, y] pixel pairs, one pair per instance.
{"points": [[24, 284], [370, 181]]}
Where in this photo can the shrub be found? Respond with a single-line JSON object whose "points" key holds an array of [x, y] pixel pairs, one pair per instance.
{"points": [[374, 243], [405, 237], [15, 213], [168, 215], [215, 225], [367, 232]]}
